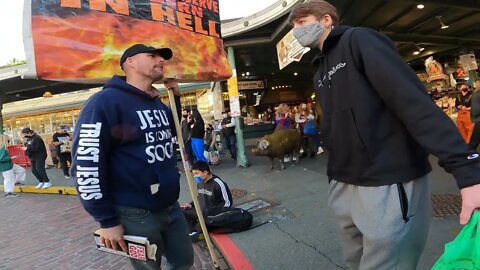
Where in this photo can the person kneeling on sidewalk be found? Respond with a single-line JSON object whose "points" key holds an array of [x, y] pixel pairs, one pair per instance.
{"points": [[213, 195]]}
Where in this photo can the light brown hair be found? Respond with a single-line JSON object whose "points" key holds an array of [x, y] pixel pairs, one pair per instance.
{"points": [[317, 8]]}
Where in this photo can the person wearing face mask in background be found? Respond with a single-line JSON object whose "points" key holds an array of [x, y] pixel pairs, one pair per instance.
{"points": [[464, 104], [208, 139], [213, 195], [197, 132], [228, 130], [185, 124], [379, 125], [37, 153]]}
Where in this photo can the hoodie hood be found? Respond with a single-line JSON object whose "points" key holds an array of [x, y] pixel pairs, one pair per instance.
{"points": [[332, 39], [119, 82]]}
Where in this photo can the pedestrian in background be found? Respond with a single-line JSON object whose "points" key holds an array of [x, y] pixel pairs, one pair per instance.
{"points": [[60, 140], [464, 103], [12, 173], [37, 153], [379, 129], [228, 130], [197, 132], [208, 137], [185, 124], [282, 117], [305, 118]]}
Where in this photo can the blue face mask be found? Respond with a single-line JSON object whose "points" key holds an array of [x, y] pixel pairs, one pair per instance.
{"points": [[198, 179]]}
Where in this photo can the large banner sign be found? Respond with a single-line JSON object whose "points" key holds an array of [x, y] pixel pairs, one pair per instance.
{"points": [[82, 40]]}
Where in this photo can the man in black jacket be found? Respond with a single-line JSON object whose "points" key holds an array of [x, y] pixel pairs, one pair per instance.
{"points": [[197, 133], [213, 194], [379, 126], [228, 130], [60, 139], [185, 123], [37, 153]]}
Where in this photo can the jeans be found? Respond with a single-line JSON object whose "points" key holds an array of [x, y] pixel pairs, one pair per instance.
{"points": [[189, 151], [231, 143], [38, 170], [192, 218], [166, 228], [64, 157]]}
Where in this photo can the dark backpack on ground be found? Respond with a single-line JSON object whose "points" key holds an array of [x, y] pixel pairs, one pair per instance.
{"points": [[230, 220]]}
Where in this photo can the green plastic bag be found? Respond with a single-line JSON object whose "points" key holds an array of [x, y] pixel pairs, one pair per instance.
{"points": [[463, 253]]}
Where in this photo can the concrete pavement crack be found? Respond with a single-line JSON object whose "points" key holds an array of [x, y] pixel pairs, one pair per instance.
{"points": [[308, 245]]}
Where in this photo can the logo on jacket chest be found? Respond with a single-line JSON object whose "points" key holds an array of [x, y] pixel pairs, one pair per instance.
{"points": [[152, 118], [328, 76], [204, 191], [158, 135]]}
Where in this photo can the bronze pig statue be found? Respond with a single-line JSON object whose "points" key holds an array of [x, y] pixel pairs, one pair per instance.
{"points": [[279, 144]]}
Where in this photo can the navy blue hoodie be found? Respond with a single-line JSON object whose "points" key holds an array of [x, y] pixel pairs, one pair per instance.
{"points": [[123, 152]]}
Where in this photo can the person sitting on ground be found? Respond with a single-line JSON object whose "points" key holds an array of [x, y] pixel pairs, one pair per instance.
{"points": [[213, 195]]}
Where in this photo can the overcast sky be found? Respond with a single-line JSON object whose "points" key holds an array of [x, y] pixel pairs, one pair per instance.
{"points": [[11, 12]]}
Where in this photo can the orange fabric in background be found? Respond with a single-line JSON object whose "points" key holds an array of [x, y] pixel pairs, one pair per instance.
{"points": [[465, 125]]}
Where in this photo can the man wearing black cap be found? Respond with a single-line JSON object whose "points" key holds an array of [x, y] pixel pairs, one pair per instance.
{"points": [[124, 163]]}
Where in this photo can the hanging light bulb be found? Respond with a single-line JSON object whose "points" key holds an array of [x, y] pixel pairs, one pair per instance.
{"points": [[443, 26], [419, 49]]}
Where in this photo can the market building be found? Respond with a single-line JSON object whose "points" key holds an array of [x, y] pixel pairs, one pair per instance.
{"points": [[438, 39]]}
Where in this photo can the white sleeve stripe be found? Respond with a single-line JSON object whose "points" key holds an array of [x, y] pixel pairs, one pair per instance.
{"points": [[228, 203]]}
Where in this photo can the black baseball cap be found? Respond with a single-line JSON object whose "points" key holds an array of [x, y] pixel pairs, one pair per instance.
{"points": [[165, 53]]}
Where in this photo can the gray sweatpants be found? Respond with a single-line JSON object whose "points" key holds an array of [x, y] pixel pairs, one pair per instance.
{"points": [[382, 227]]}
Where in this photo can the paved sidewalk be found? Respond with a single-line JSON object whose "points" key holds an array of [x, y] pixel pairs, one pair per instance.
{"points": [[302, 234], [49, 232]]}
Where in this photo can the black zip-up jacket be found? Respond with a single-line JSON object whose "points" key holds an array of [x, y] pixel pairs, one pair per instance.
{"points": [[379, 122], [214, 196], [36, 149], [227, 131]]}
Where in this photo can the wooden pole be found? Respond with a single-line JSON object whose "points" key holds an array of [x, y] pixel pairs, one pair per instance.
{"points": [[191, 184]]}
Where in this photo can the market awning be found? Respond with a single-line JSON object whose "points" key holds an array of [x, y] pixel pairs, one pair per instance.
{"points": [[407, 25], [254, 39]]}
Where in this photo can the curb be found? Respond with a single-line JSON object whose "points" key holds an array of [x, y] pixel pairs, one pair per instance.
{"points": [[61, 190], [231, 253]]}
